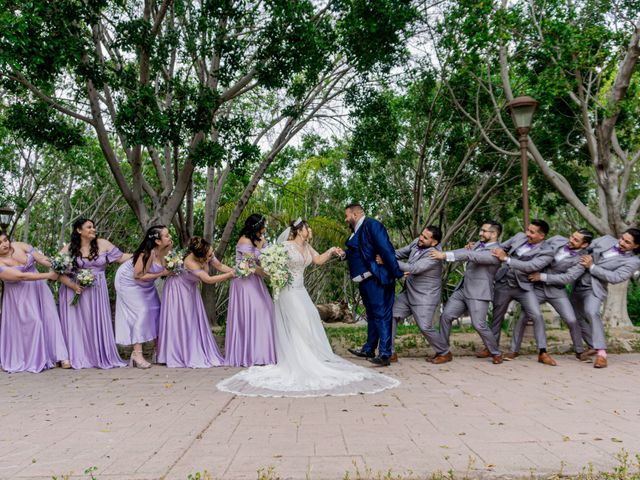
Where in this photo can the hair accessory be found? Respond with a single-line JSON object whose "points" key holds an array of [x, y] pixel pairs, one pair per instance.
{"points": [[262, 220], [297, 222]]}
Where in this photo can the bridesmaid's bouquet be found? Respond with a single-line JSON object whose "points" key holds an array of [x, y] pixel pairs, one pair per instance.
{"points": [[274, 259], [174, 261], [85, 278], [61, 263], [246, 266]]}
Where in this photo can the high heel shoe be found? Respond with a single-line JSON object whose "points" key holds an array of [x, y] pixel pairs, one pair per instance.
{"points": [[65, 364], [138, 364]]}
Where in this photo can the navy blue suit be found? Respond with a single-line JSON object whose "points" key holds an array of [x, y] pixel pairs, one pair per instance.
{"points": [[377, 291]]}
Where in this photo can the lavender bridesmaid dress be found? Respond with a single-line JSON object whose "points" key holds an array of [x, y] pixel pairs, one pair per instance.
{"points": [[249, 340], [137, 305], [184, 335], [87, 326], [30, 336]]}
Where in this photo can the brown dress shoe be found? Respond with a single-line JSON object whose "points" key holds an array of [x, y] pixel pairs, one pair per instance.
{"points": [[591, 351], [497, 359], [393, 358], [583, 357], [438, 359], [600, 362], [483, 354], [546, 359], [510, 356]]}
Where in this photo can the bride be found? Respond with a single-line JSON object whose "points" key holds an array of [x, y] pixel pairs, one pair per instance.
{"points": [[306, 365]]}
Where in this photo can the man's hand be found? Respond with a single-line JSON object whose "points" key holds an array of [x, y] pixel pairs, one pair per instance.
{"points": [[406, 274], [534, 277], [499, 253], [379, 260], [586, 261], [437, 255]]}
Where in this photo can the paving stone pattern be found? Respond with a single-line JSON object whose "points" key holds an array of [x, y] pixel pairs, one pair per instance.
{"points": [[469, 416]]}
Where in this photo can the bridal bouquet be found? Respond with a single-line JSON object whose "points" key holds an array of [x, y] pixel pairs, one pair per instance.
{"points": [[85, 278], [274, 259], [246, 266], [61, 263], [174, 261]]}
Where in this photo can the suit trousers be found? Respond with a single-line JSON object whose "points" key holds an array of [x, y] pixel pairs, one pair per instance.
{"points": [[423, 315], [562, 305], [502, 296], [457, 304], [378, 303], [587, 308]]}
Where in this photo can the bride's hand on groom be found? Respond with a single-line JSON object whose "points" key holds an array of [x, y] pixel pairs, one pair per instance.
{"points": [[338, 252]]}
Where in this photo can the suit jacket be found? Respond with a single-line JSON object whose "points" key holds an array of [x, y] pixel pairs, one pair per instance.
{"points": [[563, 272], [424, 285], [534, 260], [372, 240], [480, 271], [614, 269]]}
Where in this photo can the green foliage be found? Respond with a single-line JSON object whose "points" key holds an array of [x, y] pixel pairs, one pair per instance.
{"points": [[633, 302], [35, 123]]}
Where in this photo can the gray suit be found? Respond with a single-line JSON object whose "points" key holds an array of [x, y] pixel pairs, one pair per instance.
{"points": [[512, 283], [564, 269], [421, 294], [591, 288], [473, 293]]}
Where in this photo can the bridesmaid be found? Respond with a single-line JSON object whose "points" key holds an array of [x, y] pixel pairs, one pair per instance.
{"points": [[30, 336], [184, 336], [87, 326], [249, 340], [137, 301]]}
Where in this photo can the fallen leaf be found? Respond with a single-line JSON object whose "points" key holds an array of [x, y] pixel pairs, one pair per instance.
{"points": [[105, 430], [490, 465], [565, 438], [617, 440]]}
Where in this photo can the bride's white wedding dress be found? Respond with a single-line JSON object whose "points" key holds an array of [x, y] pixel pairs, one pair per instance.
{"points": [[306, 365]]}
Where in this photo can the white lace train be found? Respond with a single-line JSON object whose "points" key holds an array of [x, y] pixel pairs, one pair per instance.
{"points": [[307, 367]]}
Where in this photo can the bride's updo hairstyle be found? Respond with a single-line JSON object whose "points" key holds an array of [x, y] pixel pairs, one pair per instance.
{"points": [[199, 247], [252, 227], [296, 227]]}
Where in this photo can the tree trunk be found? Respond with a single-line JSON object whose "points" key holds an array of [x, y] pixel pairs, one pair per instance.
{"points": [[615, 312], [212, 202]]}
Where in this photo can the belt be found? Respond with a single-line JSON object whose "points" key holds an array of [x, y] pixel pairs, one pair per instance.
{"points": [[362, 277]]}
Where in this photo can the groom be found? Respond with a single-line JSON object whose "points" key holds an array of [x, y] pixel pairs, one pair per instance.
{"points": [[375, 282]]}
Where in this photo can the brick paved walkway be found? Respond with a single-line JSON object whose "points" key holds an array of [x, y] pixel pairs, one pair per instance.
{"points": [[504, 420]]}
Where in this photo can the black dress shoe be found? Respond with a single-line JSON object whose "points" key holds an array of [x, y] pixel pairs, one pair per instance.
{"points": [[361, 353], [380, 361]]}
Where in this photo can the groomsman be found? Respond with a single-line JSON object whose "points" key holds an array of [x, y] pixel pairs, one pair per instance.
{"points": [[422, 289], [375, 282], [527, 254], [610, 261], [475, 291], [550, 287]]}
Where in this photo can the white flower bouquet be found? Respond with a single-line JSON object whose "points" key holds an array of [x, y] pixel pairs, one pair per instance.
{"points": [[85, 278], [61, 263], [174, 261], [274, 259]]}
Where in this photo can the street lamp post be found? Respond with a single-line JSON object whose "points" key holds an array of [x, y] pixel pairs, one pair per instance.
{"points": [[522, 110], [6, 214]]}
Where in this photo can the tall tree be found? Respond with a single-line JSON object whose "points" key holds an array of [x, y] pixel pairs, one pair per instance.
{"points": [[156, 81], [580, 61]]}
